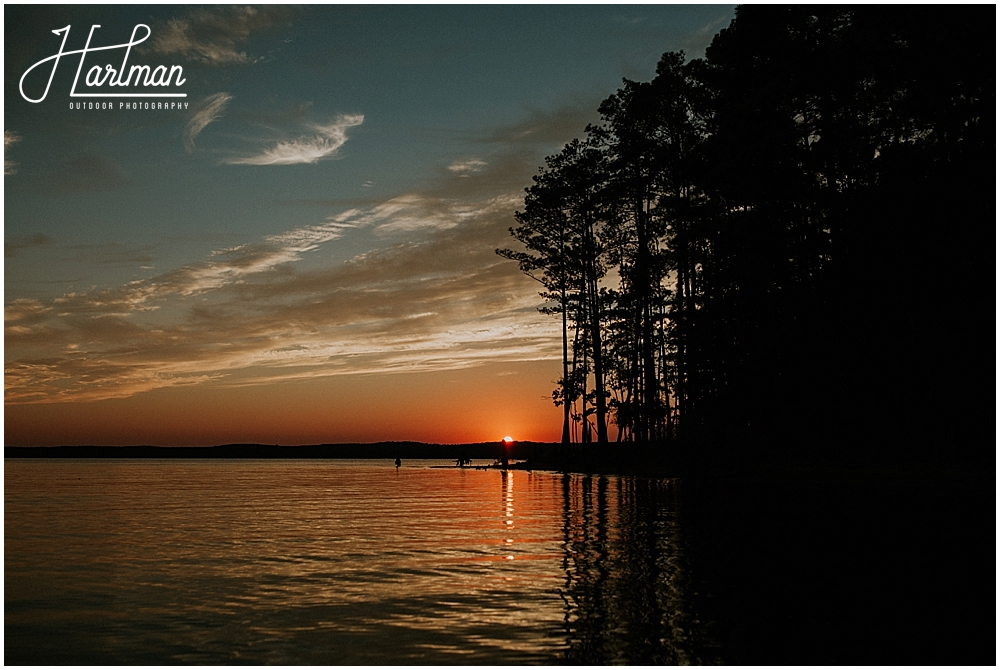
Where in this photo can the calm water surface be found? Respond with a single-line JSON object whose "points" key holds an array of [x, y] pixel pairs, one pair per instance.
{"points": [[291, 562]]}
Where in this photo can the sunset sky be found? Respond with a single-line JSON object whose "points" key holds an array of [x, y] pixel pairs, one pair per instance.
{"points": [[305, 253]]}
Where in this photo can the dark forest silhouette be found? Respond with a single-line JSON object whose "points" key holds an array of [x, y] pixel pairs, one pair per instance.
{"points": [[661, 572], [784, 247]]}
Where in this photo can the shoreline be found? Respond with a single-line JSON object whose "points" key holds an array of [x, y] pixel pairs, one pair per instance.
{"points": [[548, 457], [374, 451]]}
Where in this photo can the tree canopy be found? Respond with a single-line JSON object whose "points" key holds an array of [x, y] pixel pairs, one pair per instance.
{"points": [[783, 248]]}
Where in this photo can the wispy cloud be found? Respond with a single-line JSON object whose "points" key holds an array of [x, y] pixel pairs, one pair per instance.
{"points": [[548, 127], [694, 44], [465, 167], [13, 245], [214, 36], [431, 296], [325, 143], [24, 311], [247, 315], [229, 266], [10, 138], [210, 109]]}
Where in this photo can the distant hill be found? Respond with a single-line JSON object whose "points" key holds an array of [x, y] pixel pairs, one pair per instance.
{"points": [[376, 450]]}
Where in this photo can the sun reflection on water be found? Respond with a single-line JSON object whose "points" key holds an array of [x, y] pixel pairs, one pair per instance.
{"points": [[147, 562]]}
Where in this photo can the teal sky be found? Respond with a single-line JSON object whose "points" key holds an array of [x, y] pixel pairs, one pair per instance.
{"points": [[327, 205]]}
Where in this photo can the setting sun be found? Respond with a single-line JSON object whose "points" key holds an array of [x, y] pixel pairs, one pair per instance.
{"points": [[508, 439]]}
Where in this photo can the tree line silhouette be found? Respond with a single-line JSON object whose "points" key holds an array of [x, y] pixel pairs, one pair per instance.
{"points": [[785, 243]]}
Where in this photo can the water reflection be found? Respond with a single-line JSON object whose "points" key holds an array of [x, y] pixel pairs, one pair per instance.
{"points": [[340, 563], [628, 598], [507, 481]]}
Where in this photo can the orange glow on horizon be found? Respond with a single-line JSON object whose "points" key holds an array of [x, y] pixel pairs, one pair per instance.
{"points": [[446, 407]]}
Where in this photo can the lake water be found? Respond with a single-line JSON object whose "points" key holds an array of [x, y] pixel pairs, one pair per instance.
{"points": [[356, 562], [343, 562]]}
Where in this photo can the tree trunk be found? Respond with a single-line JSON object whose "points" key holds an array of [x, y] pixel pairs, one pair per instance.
{"points": [[565, 362]]}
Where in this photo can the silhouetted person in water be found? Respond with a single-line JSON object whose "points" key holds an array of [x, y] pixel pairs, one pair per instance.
{"points": [[398, 462], [503, 453]]}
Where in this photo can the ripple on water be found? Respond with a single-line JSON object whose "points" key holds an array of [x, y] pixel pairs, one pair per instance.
{"points": [[294, 562]]}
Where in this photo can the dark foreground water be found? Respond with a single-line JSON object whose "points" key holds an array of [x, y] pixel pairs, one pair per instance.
{"points": [[356, 562]]}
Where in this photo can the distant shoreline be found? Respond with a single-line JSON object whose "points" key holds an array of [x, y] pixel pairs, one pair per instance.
{"points": [[376, 450], [551, 457]]}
